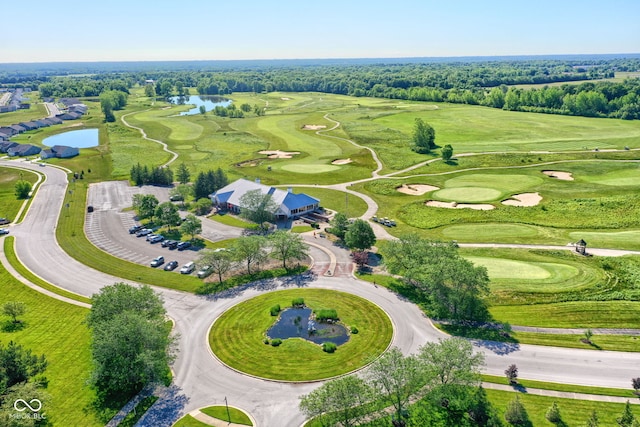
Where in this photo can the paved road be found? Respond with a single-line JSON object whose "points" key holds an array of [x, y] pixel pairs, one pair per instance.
{"points": [[201, 381]]}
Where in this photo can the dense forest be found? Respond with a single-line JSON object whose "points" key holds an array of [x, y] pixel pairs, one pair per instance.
{"points": [[490, 82]]}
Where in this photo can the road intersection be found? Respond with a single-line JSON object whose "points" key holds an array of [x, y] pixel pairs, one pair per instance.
{"points": [[200, 380]]}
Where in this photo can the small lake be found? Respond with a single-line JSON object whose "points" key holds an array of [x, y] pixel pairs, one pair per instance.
{"points": [[84, 138], [208, 101], [294, 322]]}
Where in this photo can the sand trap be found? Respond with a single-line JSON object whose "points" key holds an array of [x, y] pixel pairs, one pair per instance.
{"points": [[454, 205], [563, 176], [285, 99], [277, 154], [313, 127], [341, 161], [416, 189], [524, 199]]}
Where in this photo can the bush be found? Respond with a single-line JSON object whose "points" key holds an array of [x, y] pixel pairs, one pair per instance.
{"points": [[329, 347], [297, 302], [275, 310], [326, 314], [266, 341], [354, 330], [276, 342]]}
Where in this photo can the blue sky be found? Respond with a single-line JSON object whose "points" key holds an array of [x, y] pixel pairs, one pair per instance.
{"points": [[133, 30]]}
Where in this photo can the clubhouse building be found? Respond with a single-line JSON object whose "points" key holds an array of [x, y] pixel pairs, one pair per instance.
{"points": [[289, 205]]}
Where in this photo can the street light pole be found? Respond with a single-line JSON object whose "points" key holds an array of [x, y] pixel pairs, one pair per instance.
{"points": [[228, 414]]}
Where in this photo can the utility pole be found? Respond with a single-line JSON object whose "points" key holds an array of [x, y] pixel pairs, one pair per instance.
{"points": [[227, 405]]}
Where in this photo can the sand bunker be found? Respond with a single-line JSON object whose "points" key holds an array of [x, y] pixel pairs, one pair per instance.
{"points": [[284, 98], [524, 199], [313, 127], [416, 189], [277, 154], [563, 176], [341, 161], [454, 205]]}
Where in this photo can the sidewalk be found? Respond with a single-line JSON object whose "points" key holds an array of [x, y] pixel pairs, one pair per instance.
{"points": [[563, 394]]}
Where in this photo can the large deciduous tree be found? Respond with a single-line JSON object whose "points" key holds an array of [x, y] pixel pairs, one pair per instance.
{"points": [[221, 262], [257, 207], [453, 287], [131, 346], [145, 205], [286, 246], [360, 235], [341, 401], [250, 250], [424, 137], [339, 225], [167, 214], [191, 225]]}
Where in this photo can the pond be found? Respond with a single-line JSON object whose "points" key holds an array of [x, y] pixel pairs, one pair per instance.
{"points": [[208, 101], [294, 322], [84, 138]]}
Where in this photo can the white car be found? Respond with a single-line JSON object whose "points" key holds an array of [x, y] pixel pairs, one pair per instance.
{"points": [[155, 238], [188, 268], [4, 231]]}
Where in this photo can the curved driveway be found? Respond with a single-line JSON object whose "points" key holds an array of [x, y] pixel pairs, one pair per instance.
{"points": [[201, 381]]}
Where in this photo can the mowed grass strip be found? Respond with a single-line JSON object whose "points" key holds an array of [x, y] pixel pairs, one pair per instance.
{"points": [[598, 342], [220, 412], [569, 388], [579, 314], [9, 204], [237, 337], [57, 330], [27, 274], [339, 201]]}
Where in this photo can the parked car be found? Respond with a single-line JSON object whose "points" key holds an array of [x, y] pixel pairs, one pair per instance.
{"points": [[171, 265], [156, 238], [204, 272], [172, 245], [157, 261], [4, 231], [188, 268], [134, 229], [183, 245], [144, 232], [176, 198], [166, 243], [4, 221]]}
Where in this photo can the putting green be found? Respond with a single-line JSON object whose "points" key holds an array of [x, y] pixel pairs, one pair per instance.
{"points": [[467, 194], [513, 183], [236, 337], [308, 168], [499, 268], [488, 232]]}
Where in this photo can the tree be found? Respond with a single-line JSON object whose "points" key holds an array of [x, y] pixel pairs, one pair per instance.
{"points": [[635, 383], [22, 189], [191, 225], [167, 214], [31, 392], [130, 339], [423, 137], [245, 107], [221, 262], [593, 419], [145, 205], [339, 225], [451, 361], [512, 374], [447, 152], [202, 109], [18, 365], [360, 258], [395, 379], [183, 175], [627, 419], [553, 414], [202, 206], [257, 207], [360, 235], [452, 286], [150, 91], [250, 249], [181, 191], [340, 401], [14, 309], [286, 246], [516, 414]]}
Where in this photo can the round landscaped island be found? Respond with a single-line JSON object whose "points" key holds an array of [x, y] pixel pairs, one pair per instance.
{"points": [[240, 337]]}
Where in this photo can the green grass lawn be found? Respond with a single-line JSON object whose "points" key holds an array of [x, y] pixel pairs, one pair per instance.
{"points": [[9, 204], [189, 421], [237, 336], [65, 344], [352, 206], [220, 412]]}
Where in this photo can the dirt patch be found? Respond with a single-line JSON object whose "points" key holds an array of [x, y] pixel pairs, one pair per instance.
{"points": [[563, 176], [341, 161], [524, 199], [313, 127], [75, 125], [416, 189], [277, 154], [285, 99], [249, 163], [455, 205]]}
